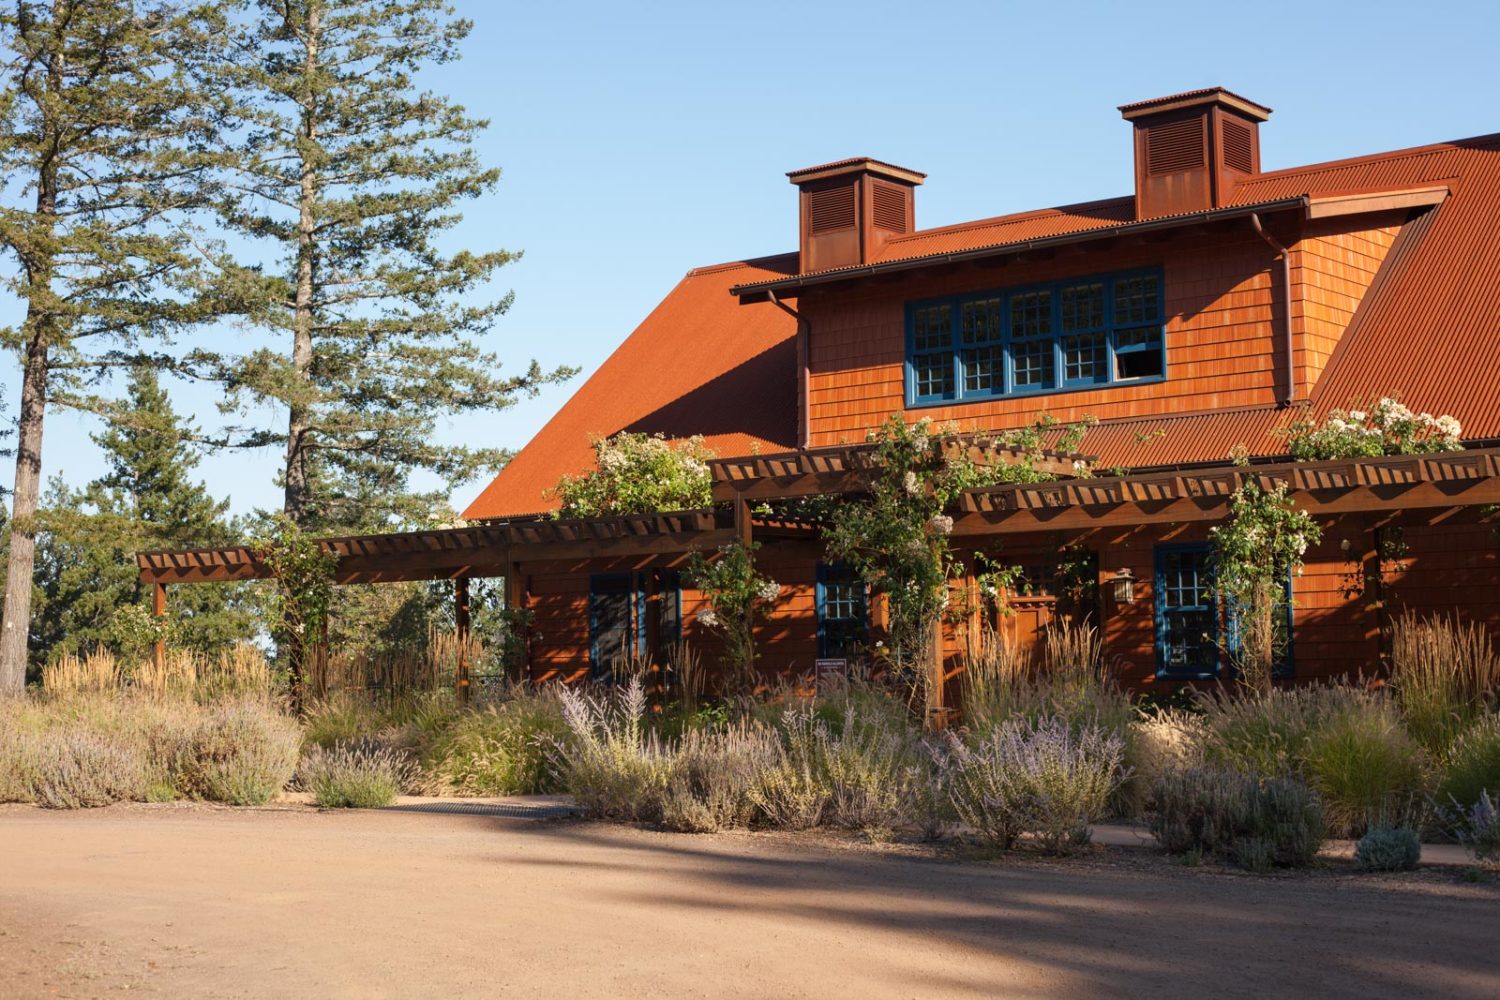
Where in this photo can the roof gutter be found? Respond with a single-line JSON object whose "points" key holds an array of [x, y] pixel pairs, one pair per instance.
{"points": [[758, 291], [1285, 258], [804, 369]]}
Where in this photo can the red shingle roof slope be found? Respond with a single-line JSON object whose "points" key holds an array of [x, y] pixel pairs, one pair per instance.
{"points": [[699, 364]]}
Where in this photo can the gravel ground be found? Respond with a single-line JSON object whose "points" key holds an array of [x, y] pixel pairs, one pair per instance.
{"points": [[199, 901]]}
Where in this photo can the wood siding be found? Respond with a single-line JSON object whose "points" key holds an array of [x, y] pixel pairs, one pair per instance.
{"points": [[1331, 271], [1339, 626]]}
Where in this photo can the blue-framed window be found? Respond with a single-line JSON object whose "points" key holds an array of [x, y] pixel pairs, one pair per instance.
{"points": [[1187, 612], [619, 607], [843, 612], [1067, 334]]}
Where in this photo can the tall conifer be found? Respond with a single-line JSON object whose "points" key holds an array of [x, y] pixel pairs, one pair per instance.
{"points": [[350, 177], [101, 135]]}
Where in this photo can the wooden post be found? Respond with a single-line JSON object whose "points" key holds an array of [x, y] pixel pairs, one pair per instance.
{"points": [[743, 534], [159, 610], [461, 626], [515, 600]]}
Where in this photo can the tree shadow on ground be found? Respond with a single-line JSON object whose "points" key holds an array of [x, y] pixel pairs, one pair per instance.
{"points": [[1122, 929]]}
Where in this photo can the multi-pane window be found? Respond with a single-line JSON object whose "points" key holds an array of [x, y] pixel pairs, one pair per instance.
{"points": [[1067, 334], [621, 607], [843, 612], [1187, 612]]}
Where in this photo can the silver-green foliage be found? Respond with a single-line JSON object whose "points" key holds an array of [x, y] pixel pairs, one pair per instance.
{"points": [[1045, 778], [1388, 849]]}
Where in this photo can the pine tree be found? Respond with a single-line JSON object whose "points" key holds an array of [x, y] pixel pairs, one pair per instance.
{"points": [[146, 499], [101, 135], [349, 176]]}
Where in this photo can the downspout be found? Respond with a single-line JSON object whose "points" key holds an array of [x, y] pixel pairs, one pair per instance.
{"points": [[804, 378], [1286, 297]]}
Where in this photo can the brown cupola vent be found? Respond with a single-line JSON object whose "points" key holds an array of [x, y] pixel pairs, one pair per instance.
{"points": [[1192, 149], [848, 210]]}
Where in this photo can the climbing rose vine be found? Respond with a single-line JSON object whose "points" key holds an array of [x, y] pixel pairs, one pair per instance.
{"points": [[735, 594], [639, 474], [1387, 428], [1264, 539]]}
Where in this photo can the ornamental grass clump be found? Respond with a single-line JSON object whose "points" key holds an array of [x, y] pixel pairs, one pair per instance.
{"points": [[1041, 778], [355, 777], [499, 749], [1365, 766], [1388, 849], [1472, 766], [610, 762], [1161, 743], [1443, 674]]}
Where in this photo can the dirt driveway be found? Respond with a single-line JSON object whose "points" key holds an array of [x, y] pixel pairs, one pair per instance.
{"points": [[198, 902]]}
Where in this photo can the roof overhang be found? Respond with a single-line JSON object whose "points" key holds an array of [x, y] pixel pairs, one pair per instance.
{"points": [[1335, 205], [759, 291]]}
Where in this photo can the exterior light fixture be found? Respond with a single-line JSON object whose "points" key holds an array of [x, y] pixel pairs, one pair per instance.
{"points": [[1124, 586]]}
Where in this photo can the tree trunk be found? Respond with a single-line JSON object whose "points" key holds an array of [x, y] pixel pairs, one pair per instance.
{"points": [[15, 634], [299, 415], [15, 619]]}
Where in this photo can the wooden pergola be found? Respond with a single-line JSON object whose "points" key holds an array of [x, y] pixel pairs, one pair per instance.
{"points": [[1395, 489]]}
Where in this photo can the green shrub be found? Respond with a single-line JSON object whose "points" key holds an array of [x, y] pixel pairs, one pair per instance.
{"points": [[1041, 778], [610, 763], [1364, 766], [1287, 817], [241, 754], [357, 777], [500, 749], [1201, 810], [1278, 822], [714, 775], [1473, 764], [75, 767], [1388, 849]]}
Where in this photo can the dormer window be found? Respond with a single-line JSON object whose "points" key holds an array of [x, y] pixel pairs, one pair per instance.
{"points": [[1069, 334]]}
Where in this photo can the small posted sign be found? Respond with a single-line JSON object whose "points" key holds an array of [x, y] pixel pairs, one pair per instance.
{"points": [[832, 670]]}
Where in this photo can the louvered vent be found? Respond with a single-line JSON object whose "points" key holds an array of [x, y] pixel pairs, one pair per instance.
{"points": [[830, 209], [890, 207], [1237, 146], [1174, 146]]}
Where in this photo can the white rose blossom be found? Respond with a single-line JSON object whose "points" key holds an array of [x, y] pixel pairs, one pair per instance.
{"points": [[768, 591], [941, 524], [708, 618]]}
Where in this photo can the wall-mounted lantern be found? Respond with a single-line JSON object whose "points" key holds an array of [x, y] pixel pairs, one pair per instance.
{"points": [[1124, 586]]}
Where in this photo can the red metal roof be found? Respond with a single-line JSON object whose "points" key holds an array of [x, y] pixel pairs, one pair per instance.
{"points": [[850, 161], [699, 364], [1188, 95], [1429, 329]]}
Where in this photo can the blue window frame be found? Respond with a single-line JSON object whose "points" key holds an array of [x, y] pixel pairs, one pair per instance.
{"points": [[1069, 334], [1187, 612], [843, 612], [618, 609]]}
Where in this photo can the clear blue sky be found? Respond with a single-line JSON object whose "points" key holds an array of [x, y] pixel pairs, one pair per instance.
{"points": [[639, 140]]}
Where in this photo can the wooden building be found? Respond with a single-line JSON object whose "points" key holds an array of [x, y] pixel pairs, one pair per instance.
{"points": [[1197, 315]]}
